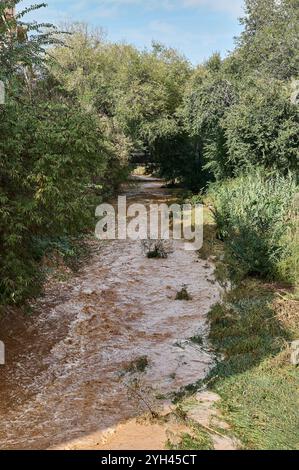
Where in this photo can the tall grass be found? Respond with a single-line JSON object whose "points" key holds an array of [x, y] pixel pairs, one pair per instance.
{"points": [[257, 218], [258, 386]]}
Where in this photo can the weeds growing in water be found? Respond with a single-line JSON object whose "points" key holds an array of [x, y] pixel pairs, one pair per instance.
{"points": [[197, 339], [155, 248], [183, 294], [137, 365]]}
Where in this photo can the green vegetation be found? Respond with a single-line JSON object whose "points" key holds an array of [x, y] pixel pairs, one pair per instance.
{"points": [[44, 190], [69, 123], [251, 330], [183, 294], [255, 215], [199, 440], [137, 365], [243, 112], [55, 156], [78, 106], [239, 110], [74, 116], [257, 384]]}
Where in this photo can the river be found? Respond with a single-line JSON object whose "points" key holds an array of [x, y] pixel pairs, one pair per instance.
{"points": [[70, 364]]}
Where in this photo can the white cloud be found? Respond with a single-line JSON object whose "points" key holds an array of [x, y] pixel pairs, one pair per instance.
{"points": [[234, 7]]}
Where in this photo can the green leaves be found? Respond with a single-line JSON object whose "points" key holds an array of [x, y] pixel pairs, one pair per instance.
{"points": [[52, 154], [240, 109], [70, 123], [23, 44], [256, 218], [269, 43], [262, 128]]}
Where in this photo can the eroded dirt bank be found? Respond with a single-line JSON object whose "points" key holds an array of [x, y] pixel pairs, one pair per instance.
{"points": [[69, 370]]}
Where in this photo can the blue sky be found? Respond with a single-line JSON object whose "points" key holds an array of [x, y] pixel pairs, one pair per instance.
{"points": [[195, 27]]}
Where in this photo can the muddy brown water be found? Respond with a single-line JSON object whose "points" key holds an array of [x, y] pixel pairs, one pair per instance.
{"points": [[67, 372]]}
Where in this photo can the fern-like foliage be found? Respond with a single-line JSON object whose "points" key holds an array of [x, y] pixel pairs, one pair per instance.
{"points": [[22, 44]]}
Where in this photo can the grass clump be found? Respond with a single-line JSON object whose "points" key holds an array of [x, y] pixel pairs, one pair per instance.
{"points": [[183, 294], [200, 440], [138, 365], [155, 249], [197, 339], [257, 219]]}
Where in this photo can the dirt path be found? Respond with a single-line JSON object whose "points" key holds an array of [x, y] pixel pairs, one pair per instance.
{"points": [[70, 366]]}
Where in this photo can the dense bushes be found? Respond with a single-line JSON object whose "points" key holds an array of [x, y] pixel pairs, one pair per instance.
{"points": [[241, 123], [207, 100], [242, 112], [58, 156], [139, 91], [49, 155], [69, 124], [262, 128], [256, 218]]}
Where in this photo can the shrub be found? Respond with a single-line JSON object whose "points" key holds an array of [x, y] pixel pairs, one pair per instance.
{"points": [[49, 154], [183, 294], [256, 218], [155, 248], [262, 127], [137, 365]]}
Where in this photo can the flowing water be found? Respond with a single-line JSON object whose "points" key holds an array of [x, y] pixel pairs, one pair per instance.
{"points": [[69, 366]]}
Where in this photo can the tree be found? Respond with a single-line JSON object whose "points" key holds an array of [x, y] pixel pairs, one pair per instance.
{"points": [[262, 128], [139, 92], [52, 155], [210, 95], [270, 41], [22, 44]]}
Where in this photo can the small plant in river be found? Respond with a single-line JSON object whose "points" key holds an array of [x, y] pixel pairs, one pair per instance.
{"points": [[155, 248], [183, 294], [137, 365], [197, 339]]}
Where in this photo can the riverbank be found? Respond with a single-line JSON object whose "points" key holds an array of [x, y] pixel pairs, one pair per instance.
{"points": [[251, 330], [109, 358]]}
